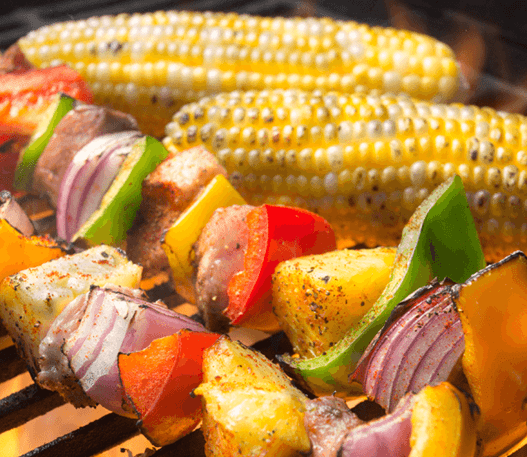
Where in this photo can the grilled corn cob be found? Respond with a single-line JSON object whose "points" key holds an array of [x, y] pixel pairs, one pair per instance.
{"points": [[365, 162], [151, 64]]}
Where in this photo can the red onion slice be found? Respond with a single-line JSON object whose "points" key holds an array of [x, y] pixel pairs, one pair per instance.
{"points": [[377, 355], [141, 333], [103, 177], [110, 324], [388, 436], [433, 333], [420, 347], [109, 321], [436, 364], [88, 177], [68, 201], [86, 321]]}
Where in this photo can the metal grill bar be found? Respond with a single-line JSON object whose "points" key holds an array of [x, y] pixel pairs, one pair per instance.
{"points": [[94, 438], [11, 364], [191, 445], [25, 405]]}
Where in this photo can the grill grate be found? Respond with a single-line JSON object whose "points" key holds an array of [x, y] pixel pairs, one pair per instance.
{"points": [[25, 405], [502, 84], [92, 439]]}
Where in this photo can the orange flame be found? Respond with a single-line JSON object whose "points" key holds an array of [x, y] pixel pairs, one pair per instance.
{"points": [[470, 51], [404, 18], [516, 102]]}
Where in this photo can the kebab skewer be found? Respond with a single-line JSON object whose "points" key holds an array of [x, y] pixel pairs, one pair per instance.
{"points": [[461, 194], [277, 95], [466, 437], [168, 164]]}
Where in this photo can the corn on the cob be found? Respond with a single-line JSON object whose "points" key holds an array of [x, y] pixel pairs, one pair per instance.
{"points": [[151, 64], [365, 162]]}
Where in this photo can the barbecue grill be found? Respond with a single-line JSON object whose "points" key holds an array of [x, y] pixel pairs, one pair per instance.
{"points": [[490, 36]]}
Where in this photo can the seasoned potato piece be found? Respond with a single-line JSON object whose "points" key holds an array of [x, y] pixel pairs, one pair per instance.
{"points": [[318, 298], [250, 407], [33, 298]]}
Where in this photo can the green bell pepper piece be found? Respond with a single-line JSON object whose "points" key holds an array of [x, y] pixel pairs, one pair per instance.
{"points": [[116, 213], [440, 240], [28, 159]]}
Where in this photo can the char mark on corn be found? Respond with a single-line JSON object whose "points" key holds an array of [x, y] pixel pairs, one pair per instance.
{"points": [[150, 64], [365, 162]]}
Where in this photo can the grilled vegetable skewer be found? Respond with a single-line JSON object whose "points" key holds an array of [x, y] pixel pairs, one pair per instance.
{"points": [[469, 446], [439, 241], [251, 408], [424, 422]]}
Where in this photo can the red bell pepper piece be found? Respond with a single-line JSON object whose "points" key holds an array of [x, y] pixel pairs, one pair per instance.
{"points": [[9, 149], [276, 233], [158, 382], [25, 96]]}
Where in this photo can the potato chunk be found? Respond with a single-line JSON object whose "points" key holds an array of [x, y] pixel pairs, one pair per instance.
{"points": [[250, 407], [318, 298], [33, 298]]}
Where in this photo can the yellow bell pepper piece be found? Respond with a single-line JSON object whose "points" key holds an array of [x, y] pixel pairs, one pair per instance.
{"points": [[179, 239], [492, 306], [442, 423], [19, 252]]}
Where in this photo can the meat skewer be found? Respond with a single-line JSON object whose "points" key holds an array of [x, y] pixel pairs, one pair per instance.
{"points": [[228, 158]]}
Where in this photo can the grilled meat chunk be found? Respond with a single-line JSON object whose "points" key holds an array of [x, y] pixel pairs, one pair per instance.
{"points": [[328, 421], [166, 193], [219, 255], [81, 125]]}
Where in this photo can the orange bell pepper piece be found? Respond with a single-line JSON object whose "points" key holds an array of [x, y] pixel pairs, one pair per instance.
{"points": [[20, 252], [158, 383]]}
